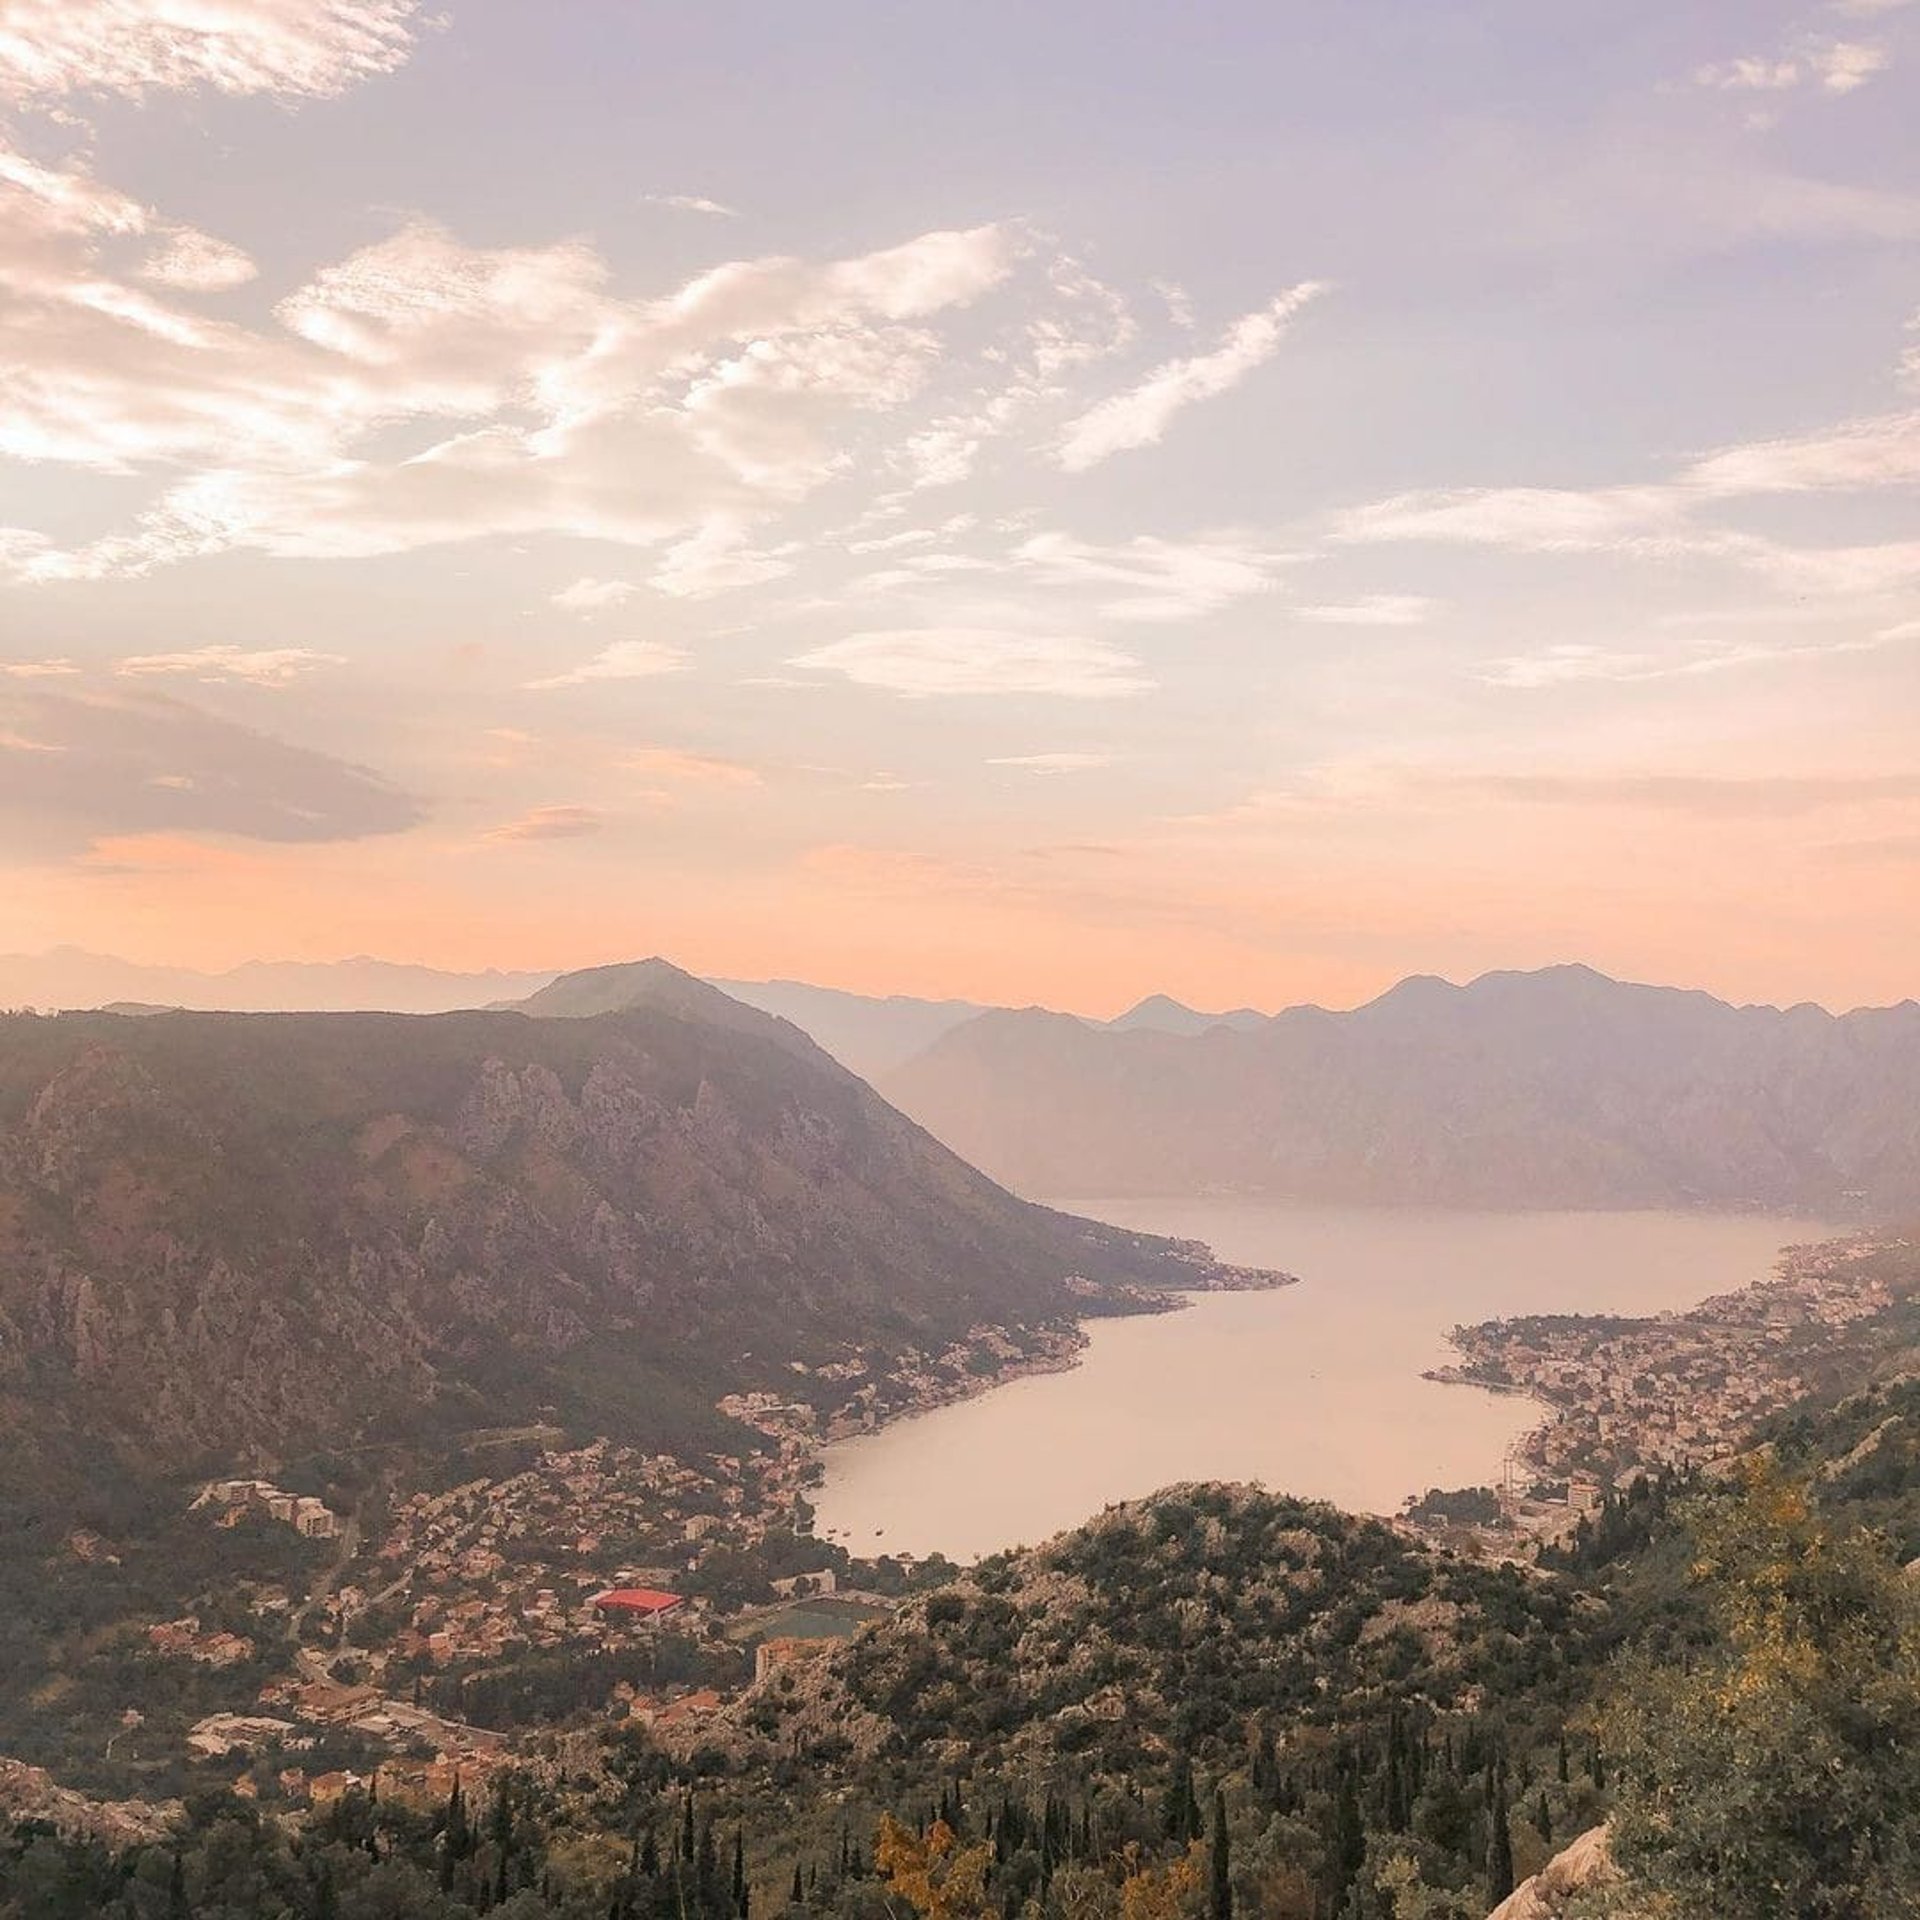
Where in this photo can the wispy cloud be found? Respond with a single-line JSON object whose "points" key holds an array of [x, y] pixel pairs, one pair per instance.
{"points": [[588, 595], [550, 823], [718, 559], [1847, 64], [196, 262], [1881, 451], [1834, 66], [1151, 578], [1765, 796], [691, 203], [679, 768], [930, 662], [1526, 519], [553, 404], [287, 47], [1572, 664], [257, 666], [1141, 416], [1750, 73], [1053, 762], [1669, 519], [623, 660], [1371, 610]]}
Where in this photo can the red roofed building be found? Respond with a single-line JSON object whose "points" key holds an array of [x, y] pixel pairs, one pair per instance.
{"points": [[638, 1603]]}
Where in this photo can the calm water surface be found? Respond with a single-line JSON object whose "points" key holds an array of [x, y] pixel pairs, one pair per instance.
{"points": [[1315, 1390]]}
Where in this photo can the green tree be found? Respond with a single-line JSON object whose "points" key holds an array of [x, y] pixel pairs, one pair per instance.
{"points": [[1499, 1840], [1220, 1873], [1778, 1773], [1181, 1818]]}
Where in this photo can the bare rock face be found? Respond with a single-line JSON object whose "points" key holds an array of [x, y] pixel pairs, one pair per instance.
{"points": [[28, 1794], [1584, 1866]]}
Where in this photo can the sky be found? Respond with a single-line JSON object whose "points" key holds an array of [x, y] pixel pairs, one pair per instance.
{"points": [[1250, 500]]}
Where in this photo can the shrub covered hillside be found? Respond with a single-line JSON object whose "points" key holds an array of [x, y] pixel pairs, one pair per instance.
{"points": [[1182, 1622], [1216, 1704]]}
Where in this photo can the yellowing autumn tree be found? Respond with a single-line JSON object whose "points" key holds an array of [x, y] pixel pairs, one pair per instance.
{"points": [[932, 1872], [1778, 1772], [1170, 1892]]}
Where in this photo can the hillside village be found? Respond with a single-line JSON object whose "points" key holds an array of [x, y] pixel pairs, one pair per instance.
{"points": [[1632, 1395], [662, 1584], [667, 1580]]}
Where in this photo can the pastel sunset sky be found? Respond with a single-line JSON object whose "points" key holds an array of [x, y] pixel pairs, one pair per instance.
{"points": [[1035, 502]]}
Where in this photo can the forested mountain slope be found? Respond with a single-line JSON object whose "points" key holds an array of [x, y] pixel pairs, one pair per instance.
{"points": [[229, 1235]]}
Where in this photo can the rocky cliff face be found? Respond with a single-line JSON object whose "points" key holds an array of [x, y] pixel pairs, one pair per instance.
{"points": [[230, 1236], [1556, 1089], [30, 1798], [1585, 1867]]}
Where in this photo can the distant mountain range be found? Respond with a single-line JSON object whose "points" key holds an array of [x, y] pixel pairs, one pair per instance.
{"points": [[242, 1237], [1559, 1088], [1554, 1088], [72, 977], [872, 1034]]}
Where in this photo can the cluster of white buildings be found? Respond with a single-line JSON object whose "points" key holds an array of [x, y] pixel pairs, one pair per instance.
{"points": [[231, 1500]]}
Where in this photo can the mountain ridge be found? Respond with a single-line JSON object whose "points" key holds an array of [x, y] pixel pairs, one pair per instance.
{"points": [[1553, 1088], [237, 1236]]}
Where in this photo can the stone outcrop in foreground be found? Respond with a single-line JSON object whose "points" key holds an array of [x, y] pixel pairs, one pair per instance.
{"points": [[1586, 1864]]}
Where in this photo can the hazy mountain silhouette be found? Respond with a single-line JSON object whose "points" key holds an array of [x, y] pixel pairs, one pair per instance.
{"points": [[1555, 1088], [1158, 1013], [72, 977]]}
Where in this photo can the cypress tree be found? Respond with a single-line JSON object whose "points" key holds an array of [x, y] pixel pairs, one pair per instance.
{"points": [[1349, 1847], [1561, 1764], [456, 1838], [1220, 1876], [1181, 1819], [1499, 1842], [799, 1894], [649, 1854], [1543, 1817], [739, 1875], [1399, 1795]]}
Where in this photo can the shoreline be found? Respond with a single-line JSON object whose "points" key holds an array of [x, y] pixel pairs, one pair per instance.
{"points": [[1062, 1342], [1623, 1395], [1559, 1440]]}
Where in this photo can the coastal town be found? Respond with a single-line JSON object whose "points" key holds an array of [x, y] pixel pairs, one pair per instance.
{"points": [[658, 1582], [652, 1586], [1626, 1396], [648, 1584]]}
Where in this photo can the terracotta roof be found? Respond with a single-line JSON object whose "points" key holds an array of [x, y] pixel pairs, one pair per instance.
{"points": [[637, 1599]]}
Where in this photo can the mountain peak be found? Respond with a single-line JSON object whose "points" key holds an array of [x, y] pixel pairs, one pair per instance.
{"points": [[657, 985], [1557, 1087], [1161, 1013]]}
